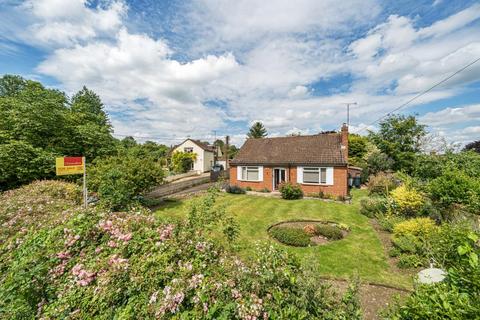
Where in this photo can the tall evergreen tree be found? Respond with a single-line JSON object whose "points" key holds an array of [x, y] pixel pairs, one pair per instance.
{"points": [[257, 130]]}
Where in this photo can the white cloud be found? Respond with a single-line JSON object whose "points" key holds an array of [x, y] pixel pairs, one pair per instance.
{"points": [[397, 56], [126, 68], [229, 22], [61, 23], [452, 115], [452, 23], [260, 58], [475, 130], [298, 91]]}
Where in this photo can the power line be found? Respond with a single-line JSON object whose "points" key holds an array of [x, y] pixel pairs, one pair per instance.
{"points": [[158, 137], [420, 94]]}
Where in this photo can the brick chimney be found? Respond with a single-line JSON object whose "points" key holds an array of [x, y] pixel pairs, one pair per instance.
{"points": [[344, 135]]}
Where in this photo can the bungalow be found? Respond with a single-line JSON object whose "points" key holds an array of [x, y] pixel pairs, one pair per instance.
{"points": [[318, 163]]}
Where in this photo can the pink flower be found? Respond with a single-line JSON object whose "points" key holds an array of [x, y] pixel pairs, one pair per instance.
{"points": [[63, 255], [166, 232], [153, 297], [106, 225], [200, 246], [112, 244], [118, 262], [82, 276], [125, 237], [76, 269], [195, 281]]}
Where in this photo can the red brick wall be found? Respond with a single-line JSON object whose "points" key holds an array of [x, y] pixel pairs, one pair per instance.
{"points": [[339, 187], [266, 183]]}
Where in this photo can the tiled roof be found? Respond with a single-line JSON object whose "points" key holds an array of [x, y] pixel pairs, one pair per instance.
{"points": [[320, 149], [199, 143], [203, 145]]}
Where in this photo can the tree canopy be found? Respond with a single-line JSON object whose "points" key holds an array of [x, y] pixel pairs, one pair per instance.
{"points": [[474, 146], [38, 124], [399, 137], [257, 130]]}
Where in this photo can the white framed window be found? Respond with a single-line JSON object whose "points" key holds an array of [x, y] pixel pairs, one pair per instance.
{"points": [[315, 175], [250, 173], [188, 149]]}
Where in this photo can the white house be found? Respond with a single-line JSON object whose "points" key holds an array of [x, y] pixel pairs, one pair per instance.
{"points": [[205, 154]]}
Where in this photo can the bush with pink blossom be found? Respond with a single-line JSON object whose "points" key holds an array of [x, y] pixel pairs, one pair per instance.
{"points": [[86, 264]]}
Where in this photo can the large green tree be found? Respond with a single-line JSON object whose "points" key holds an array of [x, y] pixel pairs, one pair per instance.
{"points": [[37, 124], [257, 130], [399, 137], [92, 130]]}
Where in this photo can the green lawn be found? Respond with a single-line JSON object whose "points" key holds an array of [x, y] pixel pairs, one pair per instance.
{"points": [[360, 252]]}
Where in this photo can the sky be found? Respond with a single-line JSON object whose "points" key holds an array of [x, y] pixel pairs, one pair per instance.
{"points": [[168, 69]]}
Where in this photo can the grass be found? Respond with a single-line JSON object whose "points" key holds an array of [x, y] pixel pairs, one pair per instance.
{"points": [[359, 253]]}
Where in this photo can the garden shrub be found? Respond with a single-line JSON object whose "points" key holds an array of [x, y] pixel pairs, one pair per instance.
{"points": [[406, 261], [67, 262], [248, 188], [455, 188], [120, 181], [407, 243], [455, 249], [309, 229], [22, 163], [407, 201], [421, 227], [343, 226], [234, 189], [394, 252], [291, 236], [388, 221], [443, 245], [182, 162], [328, 231], [371, 206], [291, 191], [264, 190], [381, 183], [37, 204]]}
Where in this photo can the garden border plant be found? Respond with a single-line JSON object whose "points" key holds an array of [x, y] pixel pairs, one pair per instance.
{"points": [[299, 240]]}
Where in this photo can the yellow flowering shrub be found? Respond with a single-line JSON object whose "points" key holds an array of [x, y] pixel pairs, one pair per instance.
{"points": [[415, 227], [407, 201]]}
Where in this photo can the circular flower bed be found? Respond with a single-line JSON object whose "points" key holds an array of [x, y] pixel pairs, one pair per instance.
{"points": [[305, 233]]}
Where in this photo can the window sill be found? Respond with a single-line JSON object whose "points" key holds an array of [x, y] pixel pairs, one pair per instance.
{"points": [[316, 184]]}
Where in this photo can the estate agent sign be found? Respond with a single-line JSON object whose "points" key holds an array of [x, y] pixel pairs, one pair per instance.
{"points": [[73, 165]]}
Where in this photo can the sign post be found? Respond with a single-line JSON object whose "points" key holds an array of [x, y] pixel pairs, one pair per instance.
{"points": [[73, 165], [85, 195]]}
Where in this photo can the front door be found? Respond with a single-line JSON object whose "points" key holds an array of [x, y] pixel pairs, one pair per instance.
{"points": [[278, 177]]}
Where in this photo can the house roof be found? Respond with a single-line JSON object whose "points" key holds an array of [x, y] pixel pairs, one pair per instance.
{"points": [[199, 143], [320, 149]]}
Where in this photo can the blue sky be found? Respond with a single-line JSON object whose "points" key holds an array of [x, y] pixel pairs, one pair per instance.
{"points": [[171, 69]]}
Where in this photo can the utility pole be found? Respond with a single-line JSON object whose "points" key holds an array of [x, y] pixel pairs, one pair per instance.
{"points": [[348, 110], [215, 153], [227, 139]]}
